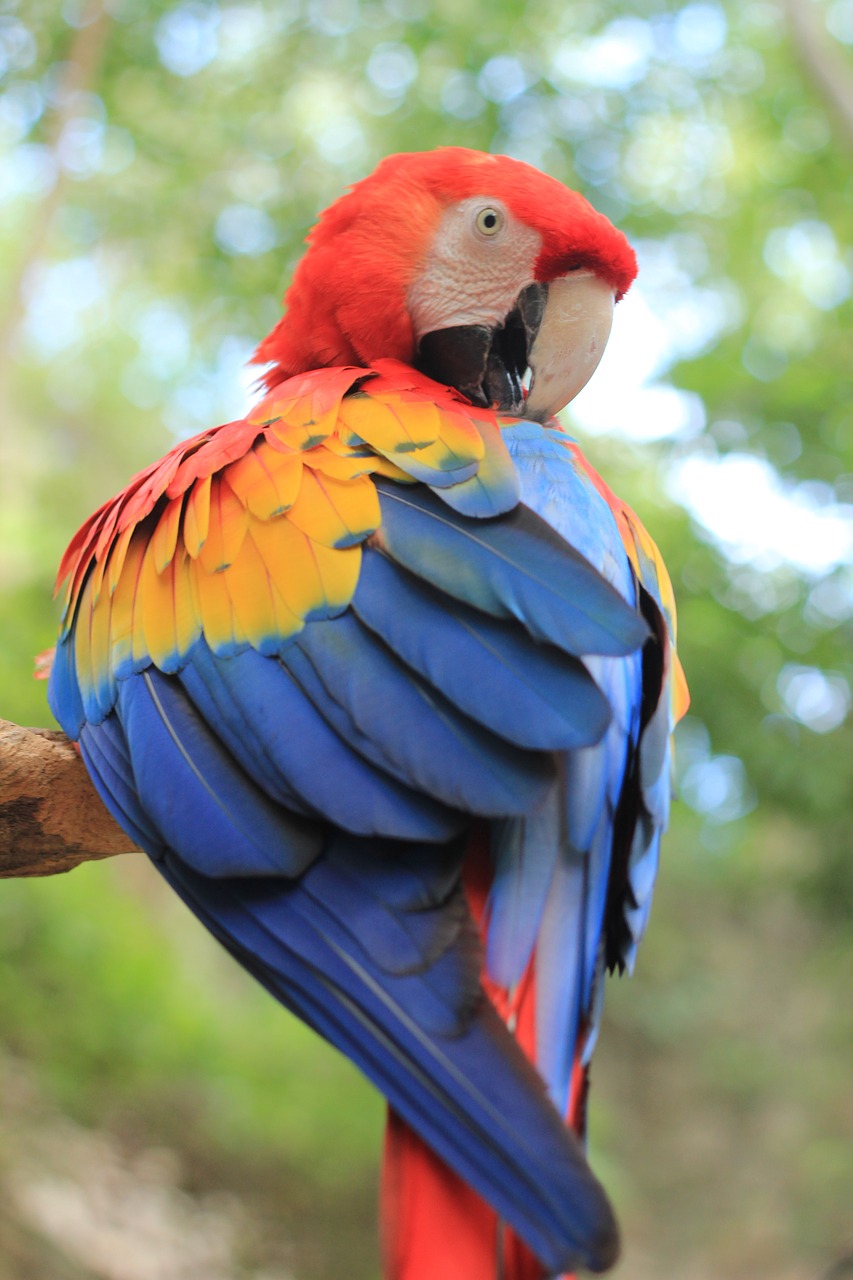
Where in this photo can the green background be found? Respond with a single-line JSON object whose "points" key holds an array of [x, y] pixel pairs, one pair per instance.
{"points": [[159, 167]]}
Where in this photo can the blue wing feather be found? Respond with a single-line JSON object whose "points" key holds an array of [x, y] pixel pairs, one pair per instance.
{"points": [[530, 694], [372, 700], [562, 496], [525, 851], [198, 798], [569, 946], [515, 567], [65, 699], [210, 681], [104, 751], [472, 1092], [560, 973], [274, 726], [311, 803]]}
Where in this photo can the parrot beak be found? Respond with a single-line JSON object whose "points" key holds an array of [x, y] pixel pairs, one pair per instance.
{"points": [[569, 343], [487, 363], [558, 331]]}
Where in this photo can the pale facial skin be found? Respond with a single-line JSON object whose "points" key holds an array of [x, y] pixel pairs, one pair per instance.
{"points": [[478, 263]]}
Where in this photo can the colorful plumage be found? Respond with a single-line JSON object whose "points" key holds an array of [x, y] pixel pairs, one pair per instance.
{"points": [[382, 678]]}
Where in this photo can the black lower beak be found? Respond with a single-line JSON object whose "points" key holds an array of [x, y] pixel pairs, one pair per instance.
{"points": [[487, 364]]}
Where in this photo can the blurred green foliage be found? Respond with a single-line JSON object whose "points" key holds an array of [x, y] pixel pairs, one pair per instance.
{"points": [[160, 165]]}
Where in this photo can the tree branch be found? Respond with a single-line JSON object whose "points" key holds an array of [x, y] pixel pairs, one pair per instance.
{"points": [[51, 817], [77, 75], [830, 71]]}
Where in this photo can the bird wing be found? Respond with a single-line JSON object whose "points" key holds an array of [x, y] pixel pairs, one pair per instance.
{"points": [[305, 655], [574, 876]]}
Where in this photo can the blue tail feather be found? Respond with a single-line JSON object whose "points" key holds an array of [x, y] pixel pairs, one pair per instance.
{"points": [[471, 1095]]}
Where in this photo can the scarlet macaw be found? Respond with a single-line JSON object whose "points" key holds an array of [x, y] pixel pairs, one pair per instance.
{"points": [[382, 678]]}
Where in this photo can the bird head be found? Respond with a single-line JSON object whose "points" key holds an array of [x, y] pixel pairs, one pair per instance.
{"points": [[473, 268]]}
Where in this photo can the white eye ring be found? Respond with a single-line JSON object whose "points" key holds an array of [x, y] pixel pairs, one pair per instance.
{"points": [[489, 221]]}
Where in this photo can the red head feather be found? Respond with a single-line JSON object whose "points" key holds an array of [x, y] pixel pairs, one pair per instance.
{"points": [[347, 302]]}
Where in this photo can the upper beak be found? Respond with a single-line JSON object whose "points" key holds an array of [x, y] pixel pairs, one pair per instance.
{"points": [[557, 330], [569, 343]]}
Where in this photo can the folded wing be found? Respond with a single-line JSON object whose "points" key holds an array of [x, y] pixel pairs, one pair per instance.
{"points": [[305, 657]]}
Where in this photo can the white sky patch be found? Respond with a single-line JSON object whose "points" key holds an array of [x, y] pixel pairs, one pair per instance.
{"points": [[20, 106], [718, 788], [165, 339], [839, 20], [831, 600], [807, 256], [63, 300], [502, 78], [621, 55], [221, 393], [391, 68], [700, 31], [321, 106], [756, 518], [715, 786], [244, 229], [460, 96], [616, 59], [27, 170], [17, 46], [244, 28], [187, 38], [818, 699], [678, 161], [624, 397]]}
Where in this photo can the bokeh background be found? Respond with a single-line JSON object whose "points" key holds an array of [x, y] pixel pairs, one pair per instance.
{"points": [[160, 164]]}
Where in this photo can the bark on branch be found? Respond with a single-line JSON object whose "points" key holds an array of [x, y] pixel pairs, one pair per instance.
{"points": [[51, 817], [830, 71], [77, 75]]}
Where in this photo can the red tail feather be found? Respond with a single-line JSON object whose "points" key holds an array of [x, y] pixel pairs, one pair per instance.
{"points": [[434, 1227]]}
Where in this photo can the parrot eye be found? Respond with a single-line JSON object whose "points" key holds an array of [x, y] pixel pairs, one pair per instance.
{"points": [[489, 221]]}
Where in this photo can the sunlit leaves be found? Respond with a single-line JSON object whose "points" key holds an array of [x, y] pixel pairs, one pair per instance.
{"points": [[820, 700], [151, 214], [187, 164]]}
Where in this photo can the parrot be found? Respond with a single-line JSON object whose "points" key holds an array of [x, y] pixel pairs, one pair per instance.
{"points": [[382, 677]]}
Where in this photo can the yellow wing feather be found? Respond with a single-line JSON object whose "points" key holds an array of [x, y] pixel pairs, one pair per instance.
{"points": [[266, 480], [372, 419], [245, 532], [258, 607], [156, 609], [336, 512], [165, 537], [226, 529], [117, 557], [197, 517], [83, 648], [129, 550], [221, 628]]}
